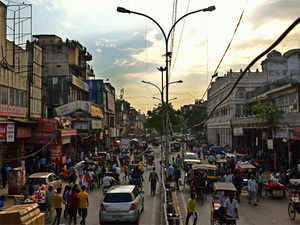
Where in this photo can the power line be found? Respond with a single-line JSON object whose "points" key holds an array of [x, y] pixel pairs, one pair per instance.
{"points": [[281, 37], [174, 18], [228, 46], [181, 35]]}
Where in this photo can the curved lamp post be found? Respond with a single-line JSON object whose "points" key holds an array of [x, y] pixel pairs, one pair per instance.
{"points": [[167, 53]]}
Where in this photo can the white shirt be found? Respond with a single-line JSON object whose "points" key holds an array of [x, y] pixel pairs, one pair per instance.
{"points": [[231, 206], [118, 170], [106, 181], [228, 178], [252, 185]]}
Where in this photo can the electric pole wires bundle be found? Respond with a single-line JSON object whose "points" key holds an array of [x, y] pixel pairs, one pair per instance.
{"points": [[279, 39]]}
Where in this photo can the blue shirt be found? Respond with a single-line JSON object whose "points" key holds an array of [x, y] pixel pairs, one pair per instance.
{"points": [[252, 185], [171, 170]]}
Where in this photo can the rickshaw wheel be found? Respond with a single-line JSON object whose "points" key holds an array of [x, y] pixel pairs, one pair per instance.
{"points": [[292, 211]]}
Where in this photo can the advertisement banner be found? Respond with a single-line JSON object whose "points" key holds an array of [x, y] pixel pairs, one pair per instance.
{"points": [[68, 132], [2, 132], [72, 107], [81, 125], [96, 112], [46, 126], [10, 132], [23, 132], [96, 124], [79, 83], [9, 110]]}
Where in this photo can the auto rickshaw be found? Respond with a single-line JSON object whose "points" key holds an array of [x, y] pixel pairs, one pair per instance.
{"points": [[199, 182], [221, 191], [246, 170]]}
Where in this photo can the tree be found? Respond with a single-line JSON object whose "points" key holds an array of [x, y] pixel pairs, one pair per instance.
{"points": [[195, 116], [155, 118]]}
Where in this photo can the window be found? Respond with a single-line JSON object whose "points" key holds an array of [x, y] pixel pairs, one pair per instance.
{"points": [[118, 197], [3, 95]]}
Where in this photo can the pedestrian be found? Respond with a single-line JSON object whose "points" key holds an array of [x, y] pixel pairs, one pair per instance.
{"points": [[66, 194], [260, 180], [252, 191], [177, 176], [125, 170], [153, 178], [170, 172], [83, 204], [49, 201], [228, 178], [238, 183], [57, 204], [231, 206], [73, 200], [118, 172], [4, 173], [191, 209]]}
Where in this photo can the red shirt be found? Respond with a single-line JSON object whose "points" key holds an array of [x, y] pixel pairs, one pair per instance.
{"points": [[73, 199]]}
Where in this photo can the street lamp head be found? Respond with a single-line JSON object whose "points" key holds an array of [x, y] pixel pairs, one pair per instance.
{"points": [[209, 9], [143, 81], [179, 81], [123, 10]]}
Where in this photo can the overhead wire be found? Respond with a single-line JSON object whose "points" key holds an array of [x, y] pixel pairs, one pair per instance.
{"points": [[174, 18], [180, 37], [273, 45], [226, 50]]}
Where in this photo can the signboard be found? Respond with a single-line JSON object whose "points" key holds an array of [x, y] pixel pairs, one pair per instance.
{"points": [[9, 110], [281, 133], [79, 83], [238, 131], [68, 132], [23, 132], [46, 126], [73, 107], [2, 132], [96, 112], [270, 144], [96, 124], [10, 132], [81, 125], [111, 102]]}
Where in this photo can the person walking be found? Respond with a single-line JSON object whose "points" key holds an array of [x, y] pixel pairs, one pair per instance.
{"points": [[83, 204], [153, 178], [260, 180], [66, 194], [252, 191], [73, 200], [4, 175], [231, 206], [49, 201], [57, 204], [191, 210], [177, 176]]}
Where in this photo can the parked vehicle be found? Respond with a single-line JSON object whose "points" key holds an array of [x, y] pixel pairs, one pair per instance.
{"points": [[122, 203], [38, 179], [294, 202], [218, 150]]}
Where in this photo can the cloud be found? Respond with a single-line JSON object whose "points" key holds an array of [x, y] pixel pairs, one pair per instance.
{"points": [[275, 10]]}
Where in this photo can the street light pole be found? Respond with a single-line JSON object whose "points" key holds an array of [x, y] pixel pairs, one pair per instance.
{"points": [[167, 54]]}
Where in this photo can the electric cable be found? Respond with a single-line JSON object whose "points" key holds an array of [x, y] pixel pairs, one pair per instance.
{"points": [[228, 46], [275, 43]]}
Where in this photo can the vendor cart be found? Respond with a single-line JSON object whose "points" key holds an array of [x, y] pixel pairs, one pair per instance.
{"points": [[274, 189]]}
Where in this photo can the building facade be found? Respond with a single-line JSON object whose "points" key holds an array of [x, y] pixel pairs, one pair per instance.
{"points": [[65, 70]]}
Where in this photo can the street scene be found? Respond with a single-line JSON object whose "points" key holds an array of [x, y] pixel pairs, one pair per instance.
{"points": [[149, 112]]}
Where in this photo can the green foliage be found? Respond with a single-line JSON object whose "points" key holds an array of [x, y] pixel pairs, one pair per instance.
{"points": [[155, 118], [195, 116], [269, 113]]}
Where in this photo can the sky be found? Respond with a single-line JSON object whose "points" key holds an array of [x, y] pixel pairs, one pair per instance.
{"points": [[128, 48]]}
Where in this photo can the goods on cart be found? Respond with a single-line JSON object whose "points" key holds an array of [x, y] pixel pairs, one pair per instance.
{"points": [[28, 214]]}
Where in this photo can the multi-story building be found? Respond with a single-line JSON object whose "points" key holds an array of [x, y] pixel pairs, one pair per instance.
{"points": [[65, 70], [219, 127], [20, 93], [122, 116]]}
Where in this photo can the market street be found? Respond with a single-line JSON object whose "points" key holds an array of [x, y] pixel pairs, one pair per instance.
{"points": [[151, 214]]}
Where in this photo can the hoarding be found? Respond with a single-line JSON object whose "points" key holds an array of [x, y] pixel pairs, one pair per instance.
{"points": [[111, 102], [79, 83], [73, 107], [10, 132], [15, 111], [2, 132], [96, 112]]}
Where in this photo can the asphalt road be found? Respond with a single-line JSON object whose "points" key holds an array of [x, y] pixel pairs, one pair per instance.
{"points": [[268, 212], [151, 212]]}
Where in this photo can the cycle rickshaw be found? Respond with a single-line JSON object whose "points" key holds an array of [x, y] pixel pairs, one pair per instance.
{"points": [[294, 202]]}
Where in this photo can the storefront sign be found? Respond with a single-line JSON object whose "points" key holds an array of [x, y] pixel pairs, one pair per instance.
{"points": [[72, 107], [281, 133], [55, 151], [2, 132], [79, 83], [296, 133], [9, 110], [68, 132], [23, 132], [65, 140], [81, 125], [238, 131], [270, 144], [46, 126], [96, 112], [10, 132], [96, 124]]}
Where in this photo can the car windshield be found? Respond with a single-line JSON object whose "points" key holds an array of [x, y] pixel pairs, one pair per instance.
{"points": [[118, 197], [190, 156], [37, 181]]}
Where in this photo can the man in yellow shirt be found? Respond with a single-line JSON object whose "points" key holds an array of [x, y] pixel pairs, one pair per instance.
{"points": [[57, 204], [83, 197], [191, 209]]}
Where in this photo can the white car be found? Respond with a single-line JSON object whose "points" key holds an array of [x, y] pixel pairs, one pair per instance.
{"points": [[122, 203]]}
